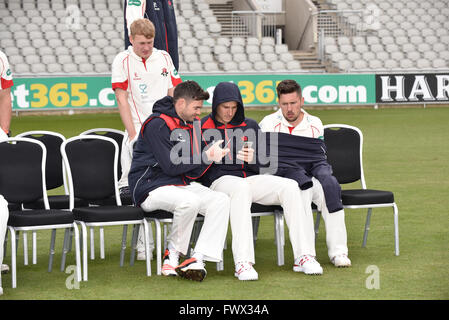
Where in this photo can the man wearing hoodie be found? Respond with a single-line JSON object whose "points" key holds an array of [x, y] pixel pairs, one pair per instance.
{"points": [[238, 176], [167, 160], [141, 75]]}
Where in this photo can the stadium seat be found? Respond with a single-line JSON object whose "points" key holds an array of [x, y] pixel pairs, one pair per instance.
{"points": [[344, 152], [245, 66], [230, 66]]}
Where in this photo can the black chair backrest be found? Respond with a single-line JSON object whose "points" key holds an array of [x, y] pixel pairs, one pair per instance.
{"points": [[53, 167], [343, 153], [92, 168], [21, 171], [118, 137]]}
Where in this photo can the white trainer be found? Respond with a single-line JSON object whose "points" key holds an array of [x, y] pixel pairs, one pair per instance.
{"points": [[170, 262], [341, 261], [1, 291], [308, 265], [4, 268], [245, 271]]}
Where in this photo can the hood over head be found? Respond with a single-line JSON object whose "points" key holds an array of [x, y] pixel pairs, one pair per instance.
{"points": [[225, 92]]}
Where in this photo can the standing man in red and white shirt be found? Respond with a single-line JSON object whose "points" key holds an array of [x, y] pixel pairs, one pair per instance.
{"points": [[141, 75], [6, 83], [291, 118]]}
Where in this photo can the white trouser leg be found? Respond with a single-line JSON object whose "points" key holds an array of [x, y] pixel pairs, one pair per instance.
{"points": [[336, 236], [184, 204], [126, 157], [274, 190], [4, 214], [214, 206], [240, 196]]}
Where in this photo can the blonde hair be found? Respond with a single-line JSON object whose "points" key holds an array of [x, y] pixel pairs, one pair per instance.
{"points": [[142, 27]]}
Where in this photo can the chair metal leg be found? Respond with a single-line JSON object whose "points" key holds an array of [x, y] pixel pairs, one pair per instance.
{"points": [[147, 245], [13, 257], [165, 228], [158, 247], [52, 250], [25, 248], [122, 252], [396, 229], [317, 224], [279, 231], [65, 248], [5, 243], [34, 247], [367, 225], [134, 236], [77, 252], [17, 240], [92, 243], [256, 222], [84, 240], [70, 240], [101, 243]]}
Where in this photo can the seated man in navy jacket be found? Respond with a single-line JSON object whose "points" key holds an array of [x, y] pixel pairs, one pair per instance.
{"points": [[163, 174]]}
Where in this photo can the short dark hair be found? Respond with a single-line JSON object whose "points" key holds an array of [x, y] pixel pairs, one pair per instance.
{"points": [[288, 86], [189, 90]]}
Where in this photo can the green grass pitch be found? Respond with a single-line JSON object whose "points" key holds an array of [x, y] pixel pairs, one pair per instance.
{"points": [[406, 150]]}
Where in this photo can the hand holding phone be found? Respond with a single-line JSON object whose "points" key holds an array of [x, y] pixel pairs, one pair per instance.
{"points": [[246, 154]]}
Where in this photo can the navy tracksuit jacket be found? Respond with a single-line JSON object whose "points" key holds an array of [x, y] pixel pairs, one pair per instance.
{"points": [[300, 159]]}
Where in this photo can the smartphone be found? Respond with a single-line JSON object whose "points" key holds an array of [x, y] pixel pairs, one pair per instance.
{"points": [[247, 144]]}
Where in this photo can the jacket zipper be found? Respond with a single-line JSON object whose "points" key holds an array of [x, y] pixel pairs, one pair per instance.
{"points": [[135, 187]]}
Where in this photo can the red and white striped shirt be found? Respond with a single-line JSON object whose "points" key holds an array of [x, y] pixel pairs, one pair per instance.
{"points": [[145, 80], [5, 73], [310, 126]]}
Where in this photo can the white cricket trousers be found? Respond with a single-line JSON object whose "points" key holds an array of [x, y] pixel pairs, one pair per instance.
{"points": [[266, 190], [185, 202], [4, 214], [126, 158], [336, 236]]}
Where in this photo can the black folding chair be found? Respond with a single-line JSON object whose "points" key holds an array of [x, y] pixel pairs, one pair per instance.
{"points": [[91, 163], [22, 180], [118, 137], [344, 145], [54, 176]]}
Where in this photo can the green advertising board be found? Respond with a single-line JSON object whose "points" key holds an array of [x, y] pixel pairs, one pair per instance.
{"points": [[257, 90], [62, 92], [320, 89]]}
